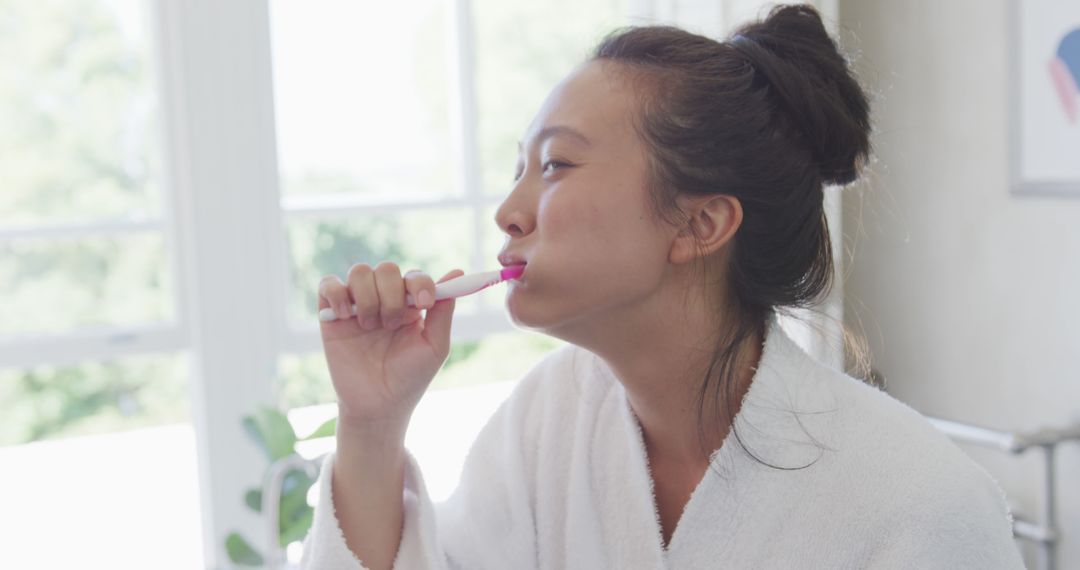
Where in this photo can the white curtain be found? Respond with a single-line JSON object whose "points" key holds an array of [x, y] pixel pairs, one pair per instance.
{"points": [[715, 19]]}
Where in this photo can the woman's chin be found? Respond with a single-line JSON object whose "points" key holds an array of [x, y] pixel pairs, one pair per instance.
{"points": [[518, 309], [513, 293]]}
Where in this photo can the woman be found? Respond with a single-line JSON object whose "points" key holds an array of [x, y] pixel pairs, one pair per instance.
{"points": [[668, 202]]}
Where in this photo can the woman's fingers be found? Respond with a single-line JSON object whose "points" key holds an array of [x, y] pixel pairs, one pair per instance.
{"points": [[439, 317], [365, 295], [391, 288], [334, 294], [422, 288], [379, 295]]}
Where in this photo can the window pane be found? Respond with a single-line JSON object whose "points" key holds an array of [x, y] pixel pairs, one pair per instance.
{"points": [[304, 379], [131, 471], [434, 241], [494, 237], [52, 402], [58, 285], [517, 65], [495, 358], [79, 137], [361, 93]]}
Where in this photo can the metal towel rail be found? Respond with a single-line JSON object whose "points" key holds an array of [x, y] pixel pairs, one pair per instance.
{"points": [[1044, 532]]}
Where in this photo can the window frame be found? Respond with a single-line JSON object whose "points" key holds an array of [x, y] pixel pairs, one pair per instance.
{"points": [[192, 61]]}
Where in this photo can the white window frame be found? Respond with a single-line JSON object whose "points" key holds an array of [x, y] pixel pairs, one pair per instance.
{"points": [[217, 93], [223, 222]]}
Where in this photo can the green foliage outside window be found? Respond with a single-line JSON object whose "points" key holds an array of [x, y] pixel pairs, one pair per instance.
{"points": [[79, 143]]}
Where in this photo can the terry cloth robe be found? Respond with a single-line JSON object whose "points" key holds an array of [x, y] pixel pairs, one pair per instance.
{"points": [[559, 478]]}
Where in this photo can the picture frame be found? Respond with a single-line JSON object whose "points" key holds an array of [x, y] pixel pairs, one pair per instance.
{"points": [[1044, 79]]}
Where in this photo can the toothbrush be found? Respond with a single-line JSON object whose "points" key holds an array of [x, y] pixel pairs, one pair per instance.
{"points": [[452, 289]]}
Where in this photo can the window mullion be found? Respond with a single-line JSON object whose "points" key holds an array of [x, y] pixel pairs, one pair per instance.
{"points": [[217, 104], [348, 206], [79, 230], [462, 63], [99, 343]]}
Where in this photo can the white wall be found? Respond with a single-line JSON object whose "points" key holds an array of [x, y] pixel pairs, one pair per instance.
{"points": [[969, 296]]}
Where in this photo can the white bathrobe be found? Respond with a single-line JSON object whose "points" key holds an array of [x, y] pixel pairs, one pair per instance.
{"points": [[559, 478]]}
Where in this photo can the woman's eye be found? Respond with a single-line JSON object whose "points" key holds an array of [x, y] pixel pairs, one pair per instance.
{"points": [[549, 165], [554, 164]]}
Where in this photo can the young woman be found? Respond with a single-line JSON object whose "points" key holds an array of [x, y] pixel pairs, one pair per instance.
{"points": [[668, 203]]}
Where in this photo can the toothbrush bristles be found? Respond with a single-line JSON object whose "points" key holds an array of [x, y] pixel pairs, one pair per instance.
{"points": [[512, 272]]}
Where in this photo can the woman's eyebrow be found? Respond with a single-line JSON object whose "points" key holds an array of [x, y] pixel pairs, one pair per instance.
{"points": [[548, 132]]}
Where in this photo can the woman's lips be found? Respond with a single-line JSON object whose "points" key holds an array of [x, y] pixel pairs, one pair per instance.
{"points": [[508, 258]]}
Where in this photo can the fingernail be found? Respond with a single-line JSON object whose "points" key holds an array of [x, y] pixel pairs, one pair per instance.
{"points": [[344, 311], [369, 323], [424, 298], [393, 324]]}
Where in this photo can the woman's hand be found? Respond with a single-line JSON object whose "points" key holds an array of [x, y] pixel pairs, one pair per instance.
{"points": [[383, 359]]}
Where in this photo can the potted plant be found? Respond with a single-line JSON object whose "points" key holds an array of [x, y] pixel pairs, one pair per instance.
{"points": [[272, 432]]}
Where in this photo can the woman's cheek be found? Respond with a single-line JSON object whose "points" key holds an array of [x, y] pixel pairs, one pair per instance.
{"points": [[571, 214], [555, 212]]}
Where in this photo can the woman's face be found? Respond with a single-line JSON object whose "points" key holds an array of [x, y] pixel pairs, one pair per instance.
{"points": [[578, 212]]}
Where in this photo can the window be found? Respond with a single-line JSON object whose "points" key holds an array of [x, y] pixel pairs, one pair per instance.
{"points": [[397, 128], [155, 152], [90, 341], [400, 145]]}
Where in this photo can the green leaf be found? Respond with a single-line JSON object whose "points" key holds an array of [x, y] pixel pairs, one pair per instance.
{"points": [[293, 479], [253, 431], [240, 552], [328, 429], [294, 501], [298, 529], [272, 432], [291, 505], [253, 499]]}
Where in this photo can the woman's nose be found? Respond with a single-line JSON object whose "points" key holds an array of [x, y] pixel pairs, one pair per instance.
{"points": [[513, 225], [512, 218]]}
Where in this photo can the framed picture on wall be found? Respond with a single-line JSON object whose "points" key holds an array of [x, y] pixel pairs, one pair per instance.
{"points": [[1045, 84]]}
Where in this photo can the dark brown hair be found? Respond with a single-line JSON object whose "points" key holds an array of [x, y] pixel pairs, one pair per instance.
{"points": [[768, 116]]}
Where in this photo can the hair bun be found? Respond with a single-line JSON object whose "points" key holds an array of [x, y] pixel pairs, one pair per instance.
{"points": [[812, 80]]}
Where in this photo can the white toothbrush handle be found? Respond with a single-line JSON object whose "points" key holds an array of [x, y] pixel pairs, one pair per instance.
{"points": [[452, 289], [461, 286]]}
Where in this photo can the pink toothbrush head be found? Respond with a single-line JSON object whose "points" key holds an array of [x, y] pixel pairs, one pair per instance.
{"points": [[512, 272]]}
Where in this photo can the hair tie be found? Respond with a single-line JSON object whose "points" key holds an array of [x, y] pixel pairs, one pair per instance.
{"points": [[739, 43]]}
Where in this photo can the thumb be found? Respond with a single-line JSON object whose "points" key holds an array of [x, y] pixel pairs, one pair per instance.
{"points": [[438, 319]]}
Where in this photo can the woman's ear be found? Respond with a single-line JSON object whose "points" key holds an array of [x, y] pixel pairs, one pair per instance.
{"points": [[714, 219]]}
